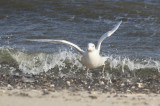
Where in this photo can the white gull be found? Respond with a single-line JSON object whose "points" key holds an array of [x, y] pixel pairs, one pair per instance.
{"points": [[91, 57]]}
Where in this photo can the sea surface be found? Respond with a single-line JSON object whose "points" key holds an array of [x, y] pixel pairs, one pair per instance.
{"points": [[132, 51]]}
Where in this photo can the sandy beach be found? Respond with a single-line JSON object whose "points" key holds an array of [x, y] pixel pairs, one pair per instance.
{"points": [[38, 73], [19, 97], [43, 90]]}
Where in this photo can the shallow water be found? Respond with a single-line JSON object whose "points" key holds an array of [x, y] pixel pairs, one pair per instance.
{"points": [[133, 51]]}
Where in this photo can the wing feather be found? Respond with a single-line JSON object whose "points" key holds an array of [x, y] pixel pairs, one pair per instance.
{"points": [[59, 41], [106, 35]]}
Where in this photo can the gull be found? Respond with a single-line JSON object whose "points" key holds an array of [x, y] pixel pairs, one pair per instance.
{"points": [[91, 58]]}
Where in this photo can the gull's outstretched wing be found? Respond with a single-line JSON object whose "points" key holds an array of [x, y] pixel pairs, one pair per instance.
{"points": [[106, 35], [58, 41]]}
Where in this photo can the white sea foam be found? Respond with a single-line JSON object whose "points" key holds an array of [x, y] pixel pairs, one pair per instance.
{"points": [[42, 62], [131, 65], [35, 63]]}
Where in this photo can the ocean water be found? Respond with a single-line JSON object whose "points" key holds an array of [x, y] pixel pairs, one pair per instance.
{"points": [[132, 51]]}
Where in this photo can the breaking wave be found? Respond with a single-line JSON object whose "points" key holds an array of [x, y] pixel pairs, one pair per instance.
{"points": [[67, 63]]}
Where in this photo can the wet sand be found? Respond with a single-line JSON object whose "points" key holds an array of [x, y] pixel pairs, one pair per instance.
{"points": [[43, 89], [19, 97]]}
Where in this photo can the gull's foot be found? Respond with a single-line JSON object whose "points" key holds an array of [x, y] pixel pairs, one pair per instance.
{"points": [[87, 74], [110, 81], [103, 71], [102, 75]]}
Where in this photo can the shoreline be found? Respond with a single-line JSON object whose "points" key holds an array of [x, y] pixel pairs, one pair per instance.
{"points": [[25, 97], [41, 90]]}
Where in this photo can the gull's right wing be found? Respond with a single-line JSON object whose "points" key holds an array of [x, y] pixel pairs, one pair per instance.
{"points": [[59, 41]]}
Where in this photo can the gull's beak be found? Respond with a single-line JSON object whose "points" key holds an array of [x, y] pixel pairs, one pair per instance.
{"points": [[89, 50]]}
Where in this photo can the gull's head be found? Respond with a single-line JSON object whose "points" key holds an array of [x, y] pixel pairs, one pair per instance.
{"points": [[91, 47]]}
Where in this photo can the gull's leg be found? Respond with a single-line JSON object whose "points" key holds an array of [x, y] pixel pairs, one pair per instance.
{"points": [[103, 71], [87, 73]]}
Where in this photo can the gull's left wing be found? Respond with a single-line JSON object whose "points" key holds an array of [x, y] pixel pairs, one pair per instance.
{"points": [[106, 35]]}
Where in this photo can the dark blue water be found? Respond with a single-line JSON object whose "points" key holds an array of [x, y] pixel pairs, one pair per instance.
{"points": [[133, 47]]}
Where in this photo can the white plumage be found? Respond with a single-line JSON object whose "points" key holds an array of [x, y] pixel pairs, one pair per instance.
{"points": [[91, 57]]}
